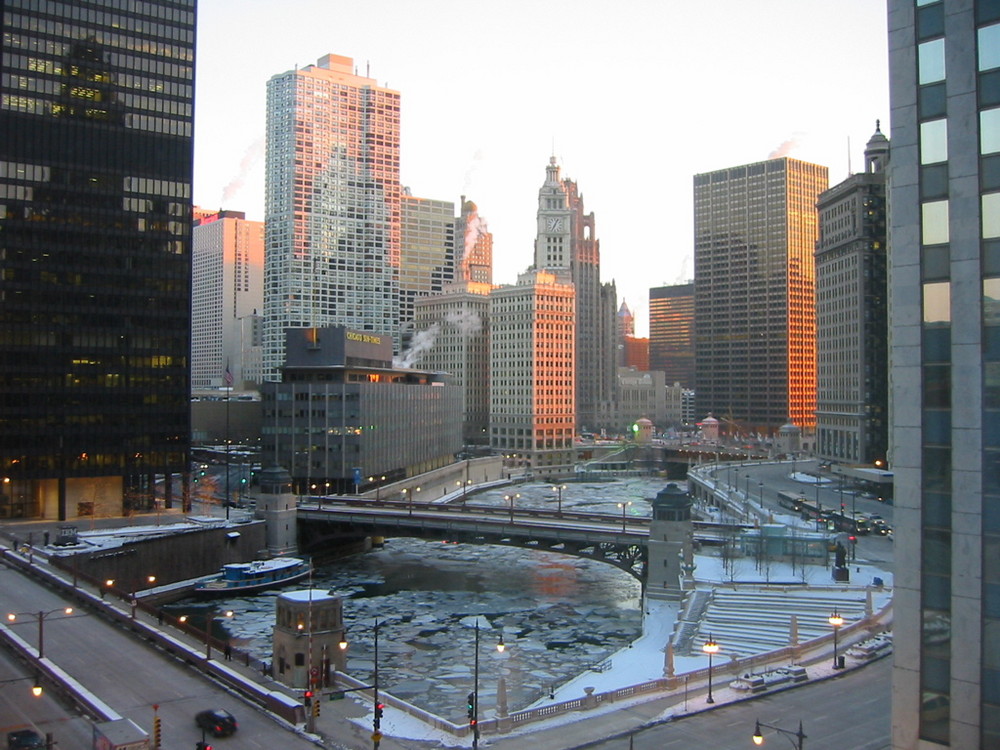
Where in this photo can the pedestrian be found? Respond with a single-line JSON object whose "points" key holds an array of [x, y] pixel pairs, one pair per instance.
{"points": [[229, 652], [159, 616]]}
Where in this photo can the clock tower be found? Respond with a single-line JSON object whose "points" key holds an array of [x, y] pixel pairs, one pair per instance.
{"points": [[553, 237]]}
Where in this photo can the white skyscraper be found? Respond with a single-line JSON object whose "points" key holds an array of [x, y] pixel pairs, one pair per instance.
{"points": [[332, 204], [227, 295]]}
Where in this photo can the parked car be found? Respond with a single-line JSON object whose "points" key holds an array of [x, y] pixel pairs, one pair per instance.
{"points": [[217, 722], [24, 739]]}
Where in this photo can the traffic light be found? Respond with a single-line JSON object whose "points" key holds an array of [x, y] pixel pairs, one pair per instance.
{"points": [[378, 710], [307, 697], [156, 732], [471, 707], [316, 705], [202, 746]]}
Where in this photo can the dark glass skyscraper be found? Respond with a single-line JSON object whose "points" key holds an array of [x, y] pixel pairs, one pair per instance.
{"points": [[96, 153]]}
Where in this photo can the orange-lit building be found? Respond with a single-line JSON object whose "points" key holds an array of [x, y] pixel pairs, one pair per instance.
{"points": [[636, 353], [756, 228], [533, 369], [671, 332]]}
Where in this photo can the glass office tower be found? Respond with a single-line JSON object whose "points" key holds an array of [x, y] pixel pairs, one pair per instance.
{"points": [[944, 240], [95, 268]]}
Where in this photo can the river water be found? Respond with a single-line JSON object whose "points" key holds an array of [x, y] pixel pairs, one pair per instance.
{"points": [[559, 615]]}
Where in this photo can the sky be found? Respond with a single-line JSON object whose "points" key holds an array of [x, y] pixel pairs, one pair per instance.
{"points": [[633, 97]]}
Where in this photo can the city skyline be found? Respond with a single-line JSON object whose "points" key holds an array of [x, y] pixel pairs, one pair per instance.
{"points": [[578, 75]]}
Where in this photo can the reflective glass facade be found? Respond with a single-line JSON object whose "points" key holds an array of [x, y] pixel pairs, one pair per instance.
{"points": [[95, 191]]}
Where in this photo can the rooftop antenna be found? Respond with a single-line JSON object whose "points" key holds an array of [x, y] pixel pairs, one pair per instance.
{"points": [[849, 173], [368, 68]]}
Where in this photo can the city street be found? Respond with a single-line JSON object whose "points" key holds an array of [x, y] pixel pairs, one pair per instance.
{"points": [[846, 713], [126, 674]]}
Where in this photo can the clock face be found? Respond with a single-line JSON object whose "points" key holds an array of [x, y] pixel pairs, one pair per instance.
{"points": [[555, 225]]}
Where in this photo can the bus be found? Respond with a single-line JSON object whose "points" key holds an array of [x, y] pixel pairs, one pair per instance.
{"points": [[810, 509]]}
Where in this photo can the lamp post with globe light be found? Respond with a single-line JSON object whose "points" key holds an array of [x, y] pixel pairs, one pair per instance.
{"points": [[835, 620], [710, 647]]}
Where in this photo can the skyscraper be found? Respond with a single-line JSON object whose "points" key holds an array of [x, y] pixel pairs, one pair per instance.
{"points": [[474, 246], [427, 253], [566, 239], [95, 264], [454, 337], [755, 317], [944, 238], [332, 204], [852, 396], [533, 369], [227, 290], [671, 333]]}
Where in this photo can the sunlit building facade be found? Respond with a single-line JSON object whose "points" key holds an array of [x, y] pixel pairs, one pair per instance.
{"points": [[755, 231], [566, 240], [227, 289], [944, 285], [533, 369], [671, 332], [473, 246], [96, 154], [332, 204]]}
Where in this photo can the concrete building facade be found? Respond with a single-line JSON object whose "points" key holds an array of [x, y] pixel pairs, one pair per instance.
{"points": [[944, 271], [473, 246], [342, 413], [756, 229], [533, 370], [456, 327], [332, 205], [852, 397], [227, 299]]}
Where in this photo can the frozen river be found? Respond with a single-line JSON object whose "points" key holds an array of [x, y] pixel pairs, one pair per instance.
{"points": [[559, 615]]}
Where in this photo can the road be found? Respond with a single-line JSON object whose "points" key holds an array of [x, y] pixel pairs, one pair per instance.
{"points": [[852, 711], [129, 676]]}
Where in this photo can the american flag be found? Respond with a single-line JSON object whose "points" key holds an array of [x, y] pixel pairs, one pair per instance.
{"points": [[227, 377]]}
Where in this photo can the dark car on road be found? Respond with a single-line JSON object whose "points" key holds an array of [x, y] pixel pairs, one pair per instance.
{"points": [[216, 722], [24, 739]]}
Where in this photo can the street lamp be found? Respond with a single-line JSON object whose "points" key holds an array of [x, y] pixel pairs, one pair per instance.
{"points": [[473, 699], [511, 499], [710, 647], [208, 629], [40, 616], [559, 488], [624, 507], [758, 738], [835, 620], [150, 580]]}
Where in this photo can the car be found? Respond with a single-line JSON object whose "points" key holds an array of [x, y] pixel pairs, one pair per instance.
{"points": [[217, 721], [24, 739]]}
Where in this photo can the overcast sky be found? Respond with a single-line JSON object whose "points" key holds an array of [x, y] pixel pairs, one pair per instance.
{"points": [[633, 97]]}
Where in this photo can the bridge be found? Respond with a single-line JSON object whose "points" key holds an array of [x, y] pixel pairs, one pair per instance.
{"points": [[328, 521]]}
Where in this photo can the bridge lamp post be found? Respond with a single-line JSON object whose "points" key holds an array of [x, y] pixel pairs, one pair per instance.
{"points": [[40, 616], [624, 507], [510, 499], [758, 738], [710, 647], [559, 489]]}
